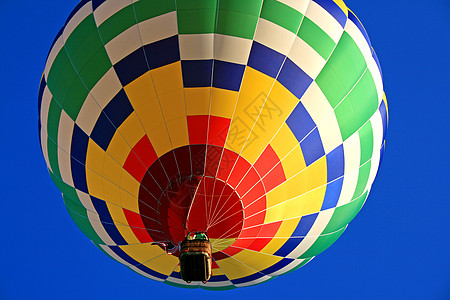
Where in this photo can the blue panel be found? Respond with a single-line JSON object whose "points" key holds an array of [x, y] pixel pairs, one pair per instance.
{"points": [[218, 278], [288, 247], [103, 132], [118, 109], [78, 151], [42, 86], [107, 221], [248, 278], [265, 60], [76, 9], [279, 265], [305, 224], [175, 275], [131, 67], [97, 3], [227, 75], [300, 122], [333, 9], [335, 163], [332, 194], [361, 28], [312, 147], [196, 73], [383, 112], [152, 272], [294, 79], [162, 52], [381, 154]]}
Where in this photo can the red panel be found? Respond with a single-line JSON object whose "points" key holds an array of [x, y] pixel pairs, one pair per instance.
{"points": [[274, 178], [256, 192], [255, 207], [265, 235], [226, 163], [250, 179], [239, 171], [266, 161], [250, 232], [258, 244], [140, 158], [137, 226], [242, 243], [197, 128], [230, 251], [218, 130], [255, 220], [213, 154]]}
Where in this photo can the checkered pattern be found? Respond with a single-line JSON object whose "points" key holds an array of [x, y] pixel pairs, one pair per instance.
{"points": [[278, 103]]}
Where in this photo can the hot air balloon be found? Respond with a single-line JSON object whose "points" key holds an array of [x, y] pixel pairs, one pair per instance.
{"points": [[259, 123]]}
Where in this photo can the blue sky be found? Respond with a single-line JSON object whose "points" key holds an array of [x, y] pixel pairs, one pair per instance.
{"points": [[396, 248]]}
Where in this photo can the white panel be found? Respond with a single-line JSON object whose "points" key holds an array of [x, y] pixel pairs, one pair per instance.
{"points": [[89, 114], [325, 21], [196, 46], [274, 36], [80, 15], [158, 28], [65, 131], [44, 142], [323, 115], [287, 268], [85, 200], [106, 88], [99, 229], [232, 49], [45, 106], [377, 128], [115, 256], [376, 75], [253, 282], [109, 8], [304, 56], [298, 5], [352, 157], [124, 44], [316, 230], [58, 46]]}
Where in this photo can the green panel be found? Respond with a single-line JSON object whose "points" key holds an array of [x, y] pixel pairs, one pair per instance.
{"points": [[366, 142], [196, 16], [74, 99], [300, 265], [54, 115], [363, 178], [314, 36], [360, 104], [342, 71], [147, 9], [117, 23], [282, 15], [344, 214], [78, 213], [87, 53], [238, 18], [66, 189], [52, 152], [322, 243]]}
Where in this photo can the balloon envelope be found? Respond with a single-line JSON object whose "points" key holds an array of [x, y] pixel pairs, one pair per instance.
{"points": [[259, 122]]}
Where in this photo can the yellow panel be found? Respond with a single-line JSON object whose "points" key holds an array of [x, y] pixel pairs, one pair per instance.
{"points": [[305, 204], [143, 252], [233, 269], [178, 132], [286, 229], [131, 130], [160, 140], [111, 192], [221, 244], [172, 104], [312, 177], [276, 108], [294, 162], [256, 260], [284, 141], [164, 264], [217, 272], [223, 102], [197, 100], [167, 78], [94, 183], [254, 84], [119, 220], [140, 91], [95, 157], [342, 6], [130, 192]]}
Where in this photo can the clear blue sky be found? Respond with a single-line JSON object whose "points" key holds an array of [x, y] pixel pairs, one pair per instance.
{"points": [[396, 248]]}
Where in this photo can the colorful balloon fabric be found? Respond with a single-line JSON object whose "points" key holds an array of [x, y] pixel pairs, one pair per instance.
{"points": [[259, 122]]}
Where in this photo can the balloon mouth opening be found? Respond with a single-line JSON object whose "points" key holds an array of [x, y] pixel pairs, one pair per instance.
{"points": [[192, 200]]}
